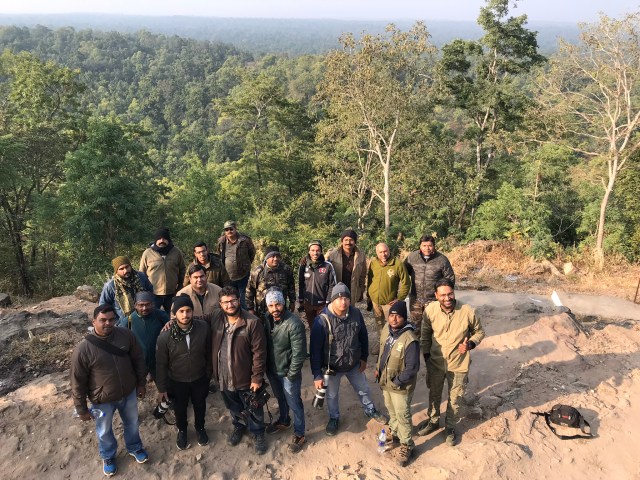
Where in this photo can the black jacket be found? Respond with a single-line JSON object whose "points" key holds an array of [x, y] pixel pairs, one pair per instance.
{"points": [[425, 274], [315, 282]]}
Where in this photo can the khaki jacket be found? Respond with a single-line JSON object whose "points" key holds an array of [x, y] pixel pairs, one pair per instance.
{"points": [[395, 362], [358, 276], [165, 274], [211, 300], [441, 333], [388, 282]]}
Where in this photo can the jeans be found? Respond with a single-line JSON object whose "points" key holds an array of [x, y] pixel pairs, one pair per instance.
{"points": [[128, 408], [288, 394], [358, 381], [181, 392], [241, 285], [233, 401]]}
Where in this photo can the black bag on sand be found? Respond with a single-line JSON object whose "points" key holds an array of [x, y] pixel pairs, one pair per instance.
{"points": [[566, 416]]}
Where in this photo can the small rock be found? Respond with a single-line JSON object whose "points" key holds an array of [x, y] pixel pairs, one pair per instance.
{"points": [[5, 300], [490, 402], [511, 395], [469, 398], [474, 413], [88, 293], [568, 268], [198, 457], [344, 467]]}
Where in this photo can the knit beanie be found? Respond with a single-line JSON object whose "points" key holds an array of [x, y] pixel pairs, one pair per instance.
{"points": [[399, 308], [274, 295], [349, 233], [271, 251], [162, 233], [144, 296], [340, 290], [180, 301], [119, 261]]}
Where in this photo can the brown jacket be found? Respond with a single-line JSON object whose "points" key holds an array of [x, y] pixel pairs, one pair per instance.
{"points": [[216, 273], [248, 348], [245, 253], [211, 300], [358, 276], [165, 274], [103, 377]]}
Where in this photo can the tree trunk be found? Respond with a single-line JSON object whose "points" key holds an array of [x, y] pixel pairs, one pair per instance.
{"points": [[599, 250], [387, 221]]}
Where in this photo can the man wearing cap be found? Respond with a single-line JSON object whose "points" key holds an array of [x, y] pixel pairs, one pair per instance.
{"points": [[396, 372], [164, 264], [272, 272], [340, 347], [239, 352], [388, 282], [183, 368], [237, 253], [350, 265], [450, 330], [146, 322], [204, 295], [316, 278], [120, 292], [288, 351], [216, 273], [425, 266]]}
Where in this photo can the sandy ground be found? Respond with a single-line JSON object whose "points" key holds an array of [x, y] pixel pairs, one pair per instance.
{"points": [[533, 357]]}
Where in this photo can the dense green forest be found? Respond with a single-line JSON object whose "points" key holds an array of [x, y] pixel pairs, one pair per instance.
{"points": [[105, 136]]}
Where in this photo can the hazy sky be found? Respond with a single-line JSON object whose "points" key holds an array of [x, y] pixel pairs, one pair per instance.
{"points": [[537, 10]]}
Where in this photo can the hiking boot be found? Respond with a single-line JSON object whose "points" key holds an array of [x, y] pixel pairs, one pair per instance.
{"points": [[296, 444], [426, 427], [236, 435], [451, 437], [141, 455], [181, 441], [203, 438], [261, 444], [332, 427], [109, 467], [278, 426], [404, 455], [377, 416], [391, 441]]}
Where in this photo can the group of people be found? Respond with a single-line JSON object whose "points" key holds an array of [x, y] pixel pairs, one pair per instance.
{"points": [[219, 325]]}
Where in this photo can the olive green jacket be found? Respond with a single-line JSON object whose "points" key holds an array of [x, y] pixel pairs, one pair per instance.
{"points": [[395, 362], [389, 282]]}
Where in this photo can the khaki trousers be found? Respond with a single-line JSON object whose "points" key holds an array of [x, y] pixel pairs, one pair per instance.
{"points": [[399, 407], [381, 314], [456, 383]]}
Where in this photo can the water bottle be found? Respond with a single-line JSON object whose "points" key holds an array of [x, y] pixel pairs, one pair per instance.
{"points": [[382, 440], [95, 413]]}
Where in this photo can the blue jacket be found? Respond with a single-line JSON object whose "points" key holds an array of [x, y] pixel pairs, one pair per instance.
{"points": [[108, 297]]}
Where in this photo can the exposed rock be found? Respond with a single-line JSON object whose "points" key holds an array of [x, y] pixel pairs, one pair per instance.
{"points": [[469, 398], [88, 293], [474, 413], [490, 402], [5, 300], [568, 268]]}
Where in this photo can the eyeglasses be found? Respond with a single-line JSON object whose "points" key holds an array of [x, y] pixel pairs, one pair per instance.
{"points": [[230, 302]]}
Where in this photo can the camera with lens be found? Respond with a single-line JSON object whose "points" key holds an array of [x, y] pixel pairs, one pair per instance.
{"points": [[318, 399], [162, 408], [254, 401]]}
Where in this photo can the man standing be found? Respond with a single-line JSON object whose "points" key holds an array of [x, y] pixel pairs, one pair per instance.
{"points": [[426, 266], [450, 329], [339, 348], [388, 282], [184, 368], [164, 265], [350, 265], [108, 368], [146, 323], [239, 352], [289, 351], [316, 278], [216, 273], [237, 253], [273, 272], [205, 296], [396, 372], [120, 292]]}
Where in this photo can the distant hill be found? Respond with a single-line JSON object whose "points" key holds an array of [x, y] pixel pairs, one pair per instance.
{"points": [[291, 36]]}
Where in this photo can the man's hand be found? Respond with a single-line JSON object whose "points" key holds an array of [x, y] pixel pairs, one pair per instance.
{"points": [[141, 391], [162, 397], [395, 300], [255, 386], [85, 417], [464, 346], [252, 312], [376, 374], [363, 366], [167, 326], [318, 384]]}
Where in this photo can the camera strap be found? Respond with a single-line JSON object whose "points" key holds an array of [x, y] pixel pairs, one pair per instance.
{"points": [[325, 317], [106, 346]]}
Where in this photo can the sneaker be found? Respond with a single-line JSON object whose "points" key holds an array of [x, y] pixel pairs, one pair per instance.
{"points": [[404, 455], [141, 455], [296, 444], [332, 426], [391, 441], [451, 437], [109, 467], [181, 441], [278, 426], [427, 426], [203, 438], [261, 444], [377, 416], [236, 436]]}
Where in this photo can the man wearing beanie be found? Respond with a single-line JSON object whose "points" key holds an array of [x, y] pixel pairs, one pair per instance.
{"points": [[396, 372], [316, 278], [120, 292], [237, 253], [164, 265], [272, 272], [339, 348], [146, 323], [183, 368], [287, 353], [349, 264]]}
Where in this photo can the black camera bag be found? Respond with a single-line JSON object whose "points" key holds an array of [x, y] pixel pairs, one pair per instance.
{"points": [[566, 416]]}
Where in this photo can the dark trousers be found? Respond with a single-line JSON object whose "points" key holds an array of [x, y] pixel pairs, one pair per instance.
{"points": [[164, 302], [233, 401], [197, 392], [311, 312]]}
